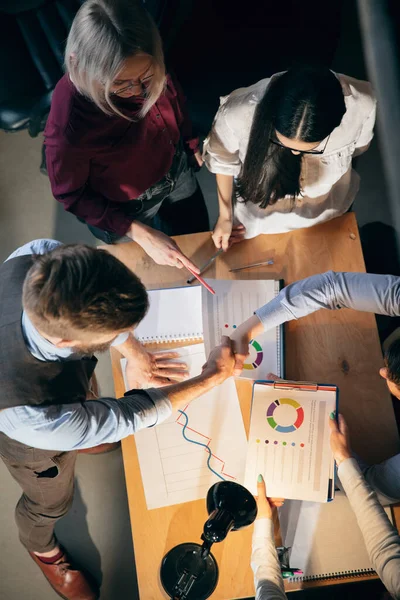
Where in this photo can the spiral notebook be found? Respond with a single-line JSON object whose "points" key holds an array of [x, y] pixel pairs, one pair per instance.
{"points": [[175, 315], [324, 539]]}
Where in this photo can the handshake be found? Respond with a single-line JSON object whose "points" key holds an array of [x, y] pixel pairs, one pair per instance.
{"points": [[221, 362]]}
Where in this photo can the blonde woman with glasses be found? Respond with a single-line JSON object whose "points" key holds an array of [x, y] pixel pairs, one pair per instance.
{"points": [[120, 150]]}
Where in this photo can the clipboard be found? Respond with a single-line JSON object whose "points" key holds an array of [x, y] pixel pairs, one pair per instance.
{"points": [[289, 439]]}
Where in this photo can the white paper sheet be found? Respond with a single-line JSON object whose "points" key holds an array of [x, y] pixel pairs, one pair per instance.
{"points": [[324, 538], [174, 314], [233, 303], [174, 469], [289, 442]]}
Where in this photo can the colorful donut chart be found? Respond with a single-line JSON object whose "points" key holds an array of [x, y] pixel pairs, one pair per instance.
{"points": [[259, 356], [279, 428]]}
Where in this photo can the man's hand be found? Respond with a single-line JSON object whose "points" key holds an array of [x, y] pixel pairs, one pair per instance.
{"points": [[264, 504], [240, 344], [221, 362], [340, 440], [155, 369], [145, 369], [161, 248]]}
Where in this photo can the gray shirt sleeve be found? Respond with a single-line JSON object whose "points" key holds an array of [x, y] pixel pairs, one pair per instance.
{"points": [[366, 292], [381, 538], [84, 425], [265, 563]]}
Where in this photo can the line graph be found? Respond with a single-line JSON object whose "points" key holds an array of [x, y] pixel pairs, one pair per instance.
{"points": [[185, 426], [183, 456]]}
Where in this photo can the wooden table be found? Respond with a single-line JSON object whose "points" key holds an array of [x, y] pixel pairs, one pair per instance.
{"points": [[340, 347]]}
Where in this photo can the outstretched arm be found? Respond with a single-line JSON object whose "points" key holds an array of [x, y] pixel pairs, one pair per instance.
{"points": [[264, 559], [366, 292], [85, 425], [381, 539]]}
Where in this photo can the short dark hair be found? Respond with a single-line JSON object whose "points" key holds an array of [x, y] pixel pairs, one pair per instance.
{"points": [[305, 103], [77, 288], [392, 362]]}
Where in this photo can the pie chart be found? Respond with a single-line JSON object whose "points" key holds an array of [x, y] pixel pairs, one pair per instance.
{"points": [[298, 415], [258, 357]]}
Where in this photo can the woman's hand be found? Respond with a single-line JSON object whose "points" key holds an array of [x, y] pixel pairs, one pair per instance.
{"points": [[340, 440], [222, 233], [237, 235], [161, 248], [264, 504], [241, 338], [199, 158]]}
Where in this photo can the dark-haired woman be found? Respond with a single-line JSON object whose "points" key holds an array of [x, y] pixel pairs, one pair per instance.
{"points": [[282, 151]]}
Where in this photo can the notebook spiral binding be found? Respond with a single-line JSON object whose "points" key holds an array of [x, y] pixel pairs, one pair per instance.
{"points": [[279, 331], [278, 350], [333, 575], [176, 337]]}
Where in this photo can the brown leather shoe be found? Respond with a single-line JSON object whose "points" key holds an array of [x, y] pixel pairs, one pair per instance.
{"points": [[69, 583], [101, 448]]}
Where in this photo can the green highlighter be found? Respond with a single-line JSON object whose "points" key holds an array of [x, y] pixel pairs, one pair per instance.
{"points": [[286, 573]]}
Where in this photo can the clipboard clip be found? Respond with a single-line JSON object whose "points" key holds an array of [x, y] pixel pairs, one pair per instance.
{"points": [[285, 384]]}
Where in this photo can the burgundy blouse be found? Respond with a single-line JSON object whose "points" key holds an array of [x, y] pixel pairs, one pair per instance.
{"points": [[96, 162]]}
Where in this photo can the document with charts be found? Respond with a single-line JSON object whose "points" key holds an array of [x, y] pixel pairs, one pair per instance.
{"points": [[233, 303], [181, 458], [289, 440]]}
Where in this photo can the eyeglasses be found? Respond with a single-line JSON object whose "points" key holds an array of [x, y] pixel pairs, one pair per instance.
{"points": [[278, 143], [143, 83]]}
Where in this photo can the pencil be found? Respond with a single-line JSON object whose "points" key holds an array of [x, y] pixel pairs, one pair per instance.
{"points": [[201, 281], [260, 264], [206, 265]]}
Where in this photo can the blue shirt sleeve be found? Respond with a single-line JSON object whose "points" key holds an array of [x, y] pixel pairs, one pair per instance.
{"points": [[41, 246], [68, 427]]}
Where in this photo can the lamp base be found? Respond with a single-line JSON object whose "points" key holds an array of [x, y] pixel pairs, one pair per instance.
{"points": [[186, 575]]}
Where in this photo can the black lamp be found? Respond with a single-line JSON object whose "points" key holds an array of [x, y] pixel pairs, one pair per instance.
{"points": [[189, 571]]}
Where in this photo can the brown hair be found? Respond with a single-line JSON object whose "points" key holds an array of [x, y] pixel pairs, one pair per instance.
{"points": [[79, 289], [392, 362]]}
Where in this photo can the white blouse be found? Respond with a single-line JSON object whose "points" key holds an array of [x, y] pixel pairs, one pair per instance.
{"points": [[329, 184]]}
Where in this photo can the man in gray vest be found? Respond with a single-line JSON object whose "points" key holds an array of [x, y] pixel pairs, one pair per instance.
{"points": [[59, 305]]}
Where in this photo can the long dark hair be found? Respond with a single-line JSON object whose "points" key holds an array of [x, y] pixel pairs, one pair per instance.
{"points": [[305, 103]]}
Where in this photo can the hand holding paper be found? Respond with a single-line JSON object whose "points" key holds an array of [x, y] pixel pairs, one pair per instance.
{"points": [[289, 440], [340, 440], [265, 504]]}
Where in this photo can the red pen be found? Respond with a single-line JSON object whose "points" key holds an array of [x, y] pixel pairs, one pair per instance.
{"points": [[201, 281]]}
